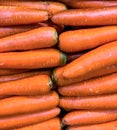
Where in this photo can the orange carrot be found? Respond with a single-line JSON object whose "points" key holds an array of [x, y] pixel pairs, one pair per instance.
{"points": [[51, 6], [11, 15], [96, 59], [42, 37], [83, 39], [93, 102], [73, 56], [11, 30], [43, 58], [23, 120], [13, 77], [35, 85], [89, 3], [89, 117], [104, 126], [96, 86], [59, 80], [28, 104], [52, 124], [11, 71], [87, 17]]}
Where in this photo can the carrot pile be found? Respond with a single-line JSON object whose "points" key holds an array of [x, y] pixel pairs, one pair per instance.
{"points": [[58, 65]]}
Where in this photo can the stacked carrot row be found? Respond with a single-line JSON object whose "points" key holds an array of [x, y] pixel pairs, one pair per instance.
{"points": [[66, 48], [27, 55], [88, 83]]}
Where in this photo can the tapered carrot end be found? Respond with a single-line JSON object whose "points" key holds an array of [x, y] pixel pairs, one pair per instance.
{"points": [[50, 84], [53, 76], [63, 58], [55, 36]]}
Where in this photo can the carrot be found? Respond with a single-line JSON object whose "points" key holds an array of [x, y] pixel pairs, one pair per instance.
{"points": [[52, 124], [43, 58], [11, 71], [11, 15], [89, 117], [35, 85], [28, 104], [59, 80], [83, 39], [73, 56], [11, 30], [93, 102], [13, 77], [87, 17], [105, 126], [17, 121], [89, 3], [96, 59], [51, 6], [96, 86], [42, 37]]}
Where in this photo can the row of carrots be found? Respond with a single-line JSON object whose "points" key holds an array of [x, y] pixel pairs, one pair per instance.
{"points": [[58, 65]]}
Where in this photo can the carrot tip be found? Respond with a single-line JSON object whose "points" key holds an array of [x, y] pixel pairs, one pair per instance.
{"points": [[55, 36], [63, 58], [50, 84], [53, 76]]}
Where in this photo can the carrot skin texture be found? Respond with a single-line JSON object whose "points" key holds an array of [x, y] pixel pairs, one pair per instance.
{"points": [[83, 39], [92, 102], [89, 117], [4, 72], [27, 119], [59, 80], [105, 126], [50, 6], [87, 17], [35, 59], [14, 77], [88, 3], [100, 57], [52, 124], [42, 37], [11, 15], [96, 86], [29, 104], [35, 85]]}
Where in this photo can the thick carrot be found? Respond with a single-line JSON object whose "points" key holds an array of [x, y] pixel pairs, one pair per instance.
{"points": [[93, 102], [96, 86], [105, 126], [28, 104], [35, 85], [43, 58], [89, 117], [11, 71], [52, 124], [51, 6], [42, 37], [87, 17], [17, 121], [13, 77], [12, 15], [73, 56], [59, 80], [83, 39], [95, 59], [89, 3]]}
